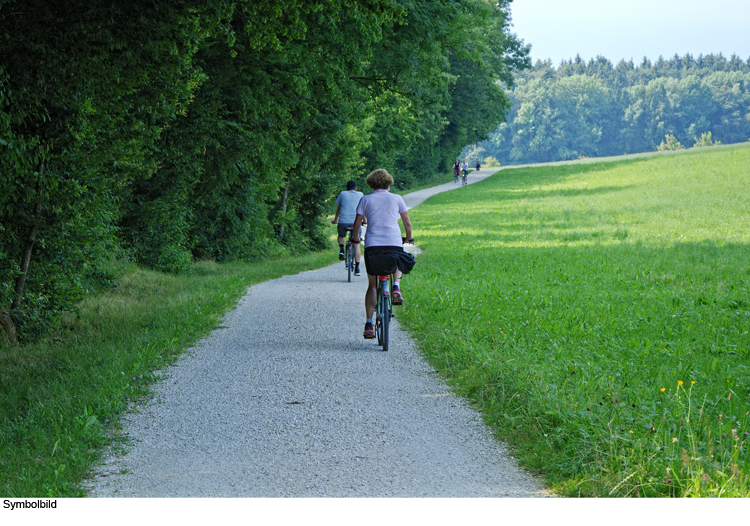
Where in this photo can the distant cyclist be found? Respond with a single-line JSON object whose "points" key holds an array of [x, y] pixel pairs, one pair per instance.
{"points": [[479, 165], [346, 211], [384, 249]]}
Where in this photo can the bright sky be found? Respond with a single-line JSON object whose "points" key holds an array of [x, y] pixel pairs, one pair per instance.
{"points": [[625, 29]]}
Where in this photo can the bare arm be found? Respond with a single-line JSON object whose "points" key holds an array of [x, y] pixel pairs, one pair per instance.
{"points": [[336, 218], [407, 226], [357, 226]]}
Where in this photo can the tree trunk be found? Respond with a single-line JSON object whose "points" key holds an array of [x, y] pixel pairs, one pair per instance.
{"points": [[21, 280], [283, 210], [8, 326]]}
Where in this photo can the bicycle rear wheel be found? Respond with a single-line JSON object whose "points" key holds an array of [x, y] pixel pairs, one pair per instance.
{"points": [[379, 319], [349, 261], [385, 316]]}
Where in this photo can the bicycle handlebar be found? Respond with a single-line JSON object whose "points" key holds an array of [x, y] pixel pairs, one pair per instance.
{"points": [[403, 240]]}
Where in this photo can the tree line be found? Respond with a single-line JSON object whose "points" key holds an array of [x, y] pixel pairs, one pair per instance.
{"points": [[168, 132], [594, 108]]}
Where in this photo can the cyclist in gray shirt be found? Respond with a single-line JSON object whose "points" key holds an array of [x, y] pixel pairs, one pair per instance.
{"points": [[346, 212]]}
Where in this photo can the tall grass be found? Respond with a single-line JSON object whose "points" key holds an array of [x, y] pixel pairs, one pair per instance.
{"points": [[599, 316], [60, 399]]}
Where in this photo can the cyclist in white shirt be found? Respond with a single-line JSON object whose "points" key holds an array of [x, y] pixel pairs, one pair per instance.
{"points": [[384, 250]]}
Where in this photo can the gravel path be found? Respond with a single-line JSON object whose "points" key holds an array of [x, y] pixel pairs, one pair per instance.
{"points": [[287, 399]]}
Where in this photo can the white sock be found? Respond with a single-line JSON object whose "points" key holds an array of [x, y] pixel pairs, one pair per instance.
{"points": [[395, 284], [369, 320]]}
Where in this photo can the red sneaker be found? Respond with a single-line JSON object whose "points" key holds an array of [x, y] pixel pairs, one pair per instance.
{"points": [[397, 298], [369, 331]]}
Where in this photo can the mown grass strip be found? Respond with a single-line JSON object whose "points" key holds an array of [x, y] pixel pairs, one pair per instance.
{"points": [[599, 315], [60, 400]]}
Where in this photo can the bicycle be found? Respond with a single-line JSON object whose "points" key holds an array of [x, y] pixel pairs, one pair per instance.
{"points": [[463, 179], [384, 309], [349, 255]]}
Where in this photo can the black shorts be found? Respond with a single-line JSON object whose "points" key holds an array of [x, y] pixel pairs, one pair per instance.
{"points": [[343, 232], [384, 261]]}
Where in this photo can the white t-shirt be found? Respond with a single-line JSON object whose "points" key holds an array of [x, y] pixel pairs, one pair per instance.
{"points": [[382, 210], [348, 202]]}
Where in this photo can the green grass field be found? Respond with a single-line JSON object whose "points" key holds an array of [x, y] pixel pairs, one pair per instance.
{"points": [[599, 316]]}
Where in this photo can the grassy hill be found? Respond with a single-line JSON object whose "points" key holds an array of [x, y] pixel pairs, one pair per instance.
{"points": [[599, 315]]}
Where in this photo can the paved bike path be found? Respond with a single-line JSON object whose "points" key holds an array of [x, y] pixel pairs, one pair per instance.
{"points": [[415, 198], [287, 399]]}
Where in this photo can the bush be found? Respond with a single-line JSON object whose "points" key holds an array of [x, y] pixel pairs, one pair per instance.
{"points": [[705, 140], [671, 144]]}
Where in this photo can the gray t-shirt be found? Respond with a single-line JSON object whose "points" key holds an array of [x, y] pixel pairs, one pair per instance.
{"points": [[348, 202]]}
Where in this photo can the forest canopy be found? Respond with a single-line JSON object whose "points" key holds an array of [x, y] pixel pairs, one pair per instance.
{"points": [[595, 108], [168, 132]]}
